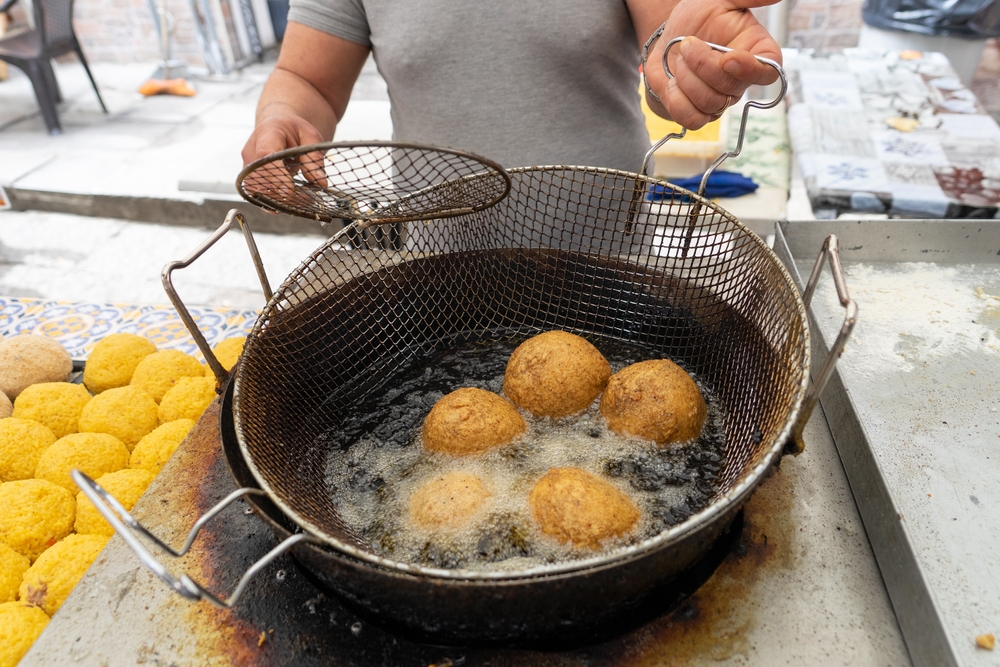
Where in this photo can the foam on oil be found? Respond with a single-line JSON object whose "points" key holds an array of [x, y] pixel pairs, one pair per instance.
{"points": [[377, 461]]}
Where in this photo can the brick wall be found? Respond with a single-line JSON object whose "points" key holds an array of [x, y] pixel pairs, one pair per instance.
{"points": [[123, 31], [824, 24]]}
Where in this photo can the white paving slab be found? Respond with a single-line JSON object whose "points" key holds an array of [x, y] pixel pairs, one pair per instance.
{"points": [[59, 256]]}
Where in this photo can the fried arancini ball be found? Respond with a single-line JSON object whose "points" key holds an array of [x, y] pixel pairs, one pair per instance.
{"points": [[28, 359], [155, 449], [113, 360], [187, 399], [126, 486], [58, 405], [12, 568], [655, 400], [6, 407], [555, 374], [22, 442], [572, 505], [49, 580], [448, 502], [34, 515], [94, 454], [228, 352], [470, 421], [128, 413], [160, 371], [20, 625]]}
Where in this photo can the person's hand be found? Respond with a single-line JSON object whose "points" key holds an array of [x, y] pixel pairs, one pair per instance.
{"points": [[277, 132], [706, 82]]}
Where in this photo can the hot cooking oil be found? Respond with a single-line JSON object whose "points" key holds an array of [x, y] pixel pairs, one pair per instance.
{"points": [[376, 461]]}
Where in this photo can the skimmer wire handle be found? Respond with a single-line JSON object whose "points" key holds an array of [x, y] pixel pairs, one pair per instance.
{"points": [[118, 517], [746, 107], [831, 251], [166, 278]]}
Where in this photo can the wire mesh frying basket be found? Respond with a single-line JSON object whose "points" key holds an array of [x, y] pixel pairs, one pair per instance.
{"points": [[581, 249]]}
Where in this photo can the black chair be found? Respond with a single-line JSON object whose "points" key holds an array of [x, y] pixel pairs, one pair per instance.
{"points": [[32, 51]]}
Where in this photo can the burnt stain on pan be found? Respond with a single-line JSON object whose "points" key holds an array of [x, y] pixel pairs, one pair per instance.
{"points": [[716, 620], [285, 618]]}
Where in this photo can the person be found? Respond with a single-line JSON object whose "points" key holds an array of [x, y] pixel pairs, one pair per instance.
{"points": [[523, 82]]}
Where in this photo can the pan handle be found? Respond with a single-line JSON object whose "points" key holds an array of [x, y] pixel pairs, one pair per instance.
{"points": [[831, 251], [166, 277], [118, 517]]}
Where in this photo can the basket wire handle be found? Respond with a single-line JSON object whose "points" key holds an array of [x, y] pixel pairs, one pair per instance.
{"points": [[831, 251], [166, 277], [118, 517], [746, 107]]}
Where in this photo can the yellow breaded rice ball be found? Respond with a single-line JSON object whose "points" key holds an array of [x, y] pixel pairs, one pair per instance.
{"points": [[228, 352], [49, 580], [155, 449], [128, 413], [6, 407], [34, 515], [187, 399], [29, 359], [20, 625], [126, 485], [160, 371], [113, 360], [95, 454], [12, 567], [58, 405], [22, 442]]}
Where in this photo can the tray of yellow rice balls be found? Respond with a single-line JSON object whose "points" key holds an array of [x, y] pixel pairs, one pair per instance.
{"points": [[117, 417]]}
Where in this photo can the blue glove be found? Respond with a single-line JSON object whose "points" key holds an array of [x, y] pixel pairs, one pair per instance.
{"points": [[720, 184]]}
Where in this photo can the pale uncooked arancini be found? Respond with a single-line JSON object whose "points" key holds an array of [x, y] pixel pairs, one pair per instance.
{"points": [[113, 361], [34, 515], [51, 578], [20, 625], [154, 450], [94, 454], [29, 359], [158, 372], [187, 399], [128, 413], [12, 567], [126, 486], [58, 405], [228, 352], [22, 442]]}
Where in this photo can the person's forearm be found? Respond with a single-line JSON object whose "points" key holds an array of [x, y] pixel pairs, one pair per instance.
{"points": [[288, 93]]}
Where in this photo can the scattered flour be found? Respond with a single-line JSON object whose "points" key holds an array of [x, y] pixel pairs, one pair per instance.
{"points": [[910, 314]]}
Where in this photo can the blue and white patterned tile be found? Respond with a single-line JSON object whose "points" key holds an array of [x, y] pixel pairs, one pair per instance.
{"points": [[80, 326]]}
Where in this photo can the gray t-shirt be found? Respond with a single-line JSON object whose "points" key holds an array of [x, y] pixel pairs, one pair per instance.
{"points": [[523, 82]]}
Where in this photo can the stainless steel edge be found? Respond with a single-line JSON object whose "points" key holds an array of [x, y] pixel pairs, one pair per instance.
{"points": [[941, 241], [913, 602]]}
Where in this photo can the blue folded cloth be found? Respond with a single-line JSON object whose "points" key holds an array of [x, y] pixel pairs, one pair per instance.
{"points": [[720, 184]]}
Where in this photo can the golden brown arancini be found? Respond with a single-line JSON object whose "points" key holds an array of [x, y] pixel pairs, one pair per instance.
{"points": [[573, 505], [555, 374], [448, 502], [655, 400], [470, 421]]}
